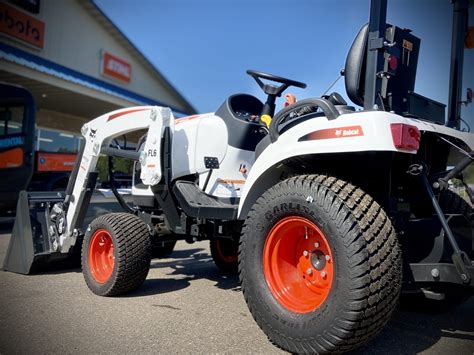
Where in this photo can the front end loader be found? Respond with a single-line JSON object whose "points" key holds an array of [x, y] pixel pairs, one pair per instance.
{"points": [[329, 212]]}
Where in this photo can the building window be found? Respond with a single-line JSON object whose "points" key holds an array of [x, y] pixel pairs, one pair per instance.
{"points": [[57, 142], [11, 119]]}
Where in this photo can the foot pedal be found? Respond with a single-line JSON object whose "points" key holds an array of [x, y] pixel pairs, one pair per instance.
{"points": [[198, 204]]}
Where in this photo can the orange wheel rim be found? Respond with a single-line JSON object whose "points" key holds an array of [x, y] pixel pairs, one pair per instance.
{"points": [[298, 264], [101, 256], [226, 251]]}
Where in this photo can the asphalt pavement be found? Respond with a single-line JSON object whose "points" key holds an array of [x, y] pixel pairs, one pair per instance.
{"points": [[185, 306]]}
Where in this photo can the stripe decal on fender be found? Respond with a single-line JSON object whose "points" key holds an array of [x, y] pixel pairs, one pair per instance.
{"points": [[123, 113], [231, 181], [185, 119], [331, 133]]}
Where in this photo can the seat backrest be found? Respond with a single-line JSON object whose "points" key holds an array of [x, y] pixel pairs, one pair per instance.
{"points": [[354, 71]]}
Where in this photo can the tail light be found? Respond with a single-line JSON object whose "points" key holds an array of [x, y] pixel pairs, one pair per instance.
{"points": [[405, 136]]}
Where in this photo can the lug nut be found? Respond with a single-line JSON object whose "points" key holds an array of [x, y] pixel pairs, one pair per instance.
{"points": [[316, 245], [309, 271], [305, 253], [323, 274], [327, 257]]}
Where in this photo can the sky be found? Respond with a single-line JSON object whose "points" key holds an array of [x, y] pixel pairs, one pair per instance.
{"points": [[204, 47]]}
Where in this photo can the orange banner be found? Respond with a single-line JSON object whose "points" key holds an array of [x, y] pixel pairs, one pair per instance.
{"points": [[21, 26], [12, 158], [55, 161]]}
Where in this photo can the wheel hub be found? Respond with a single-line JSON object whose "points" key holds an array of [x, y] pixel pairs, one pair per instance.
{"points": [[101, 256], [297, 264], [318, 259]]}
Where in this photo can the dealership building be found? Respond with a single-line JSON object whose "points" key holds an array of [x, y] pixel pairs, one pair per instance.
{"points": [[78, 65]]}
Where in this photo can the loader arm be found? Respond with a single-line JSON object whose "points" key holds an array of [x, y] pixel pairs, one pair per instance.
{"points": [[97, 134]]}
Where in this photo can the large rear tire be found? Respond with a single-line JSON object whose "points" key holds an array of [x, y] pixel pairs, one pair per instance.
{"points": [[116, 254], [320, 265], [451, 203]]}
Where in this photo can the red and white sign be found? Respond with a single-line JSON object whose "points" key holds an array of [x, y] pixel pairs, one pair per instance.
{"points": [[21, 26], [55, 161], [115, 67]]}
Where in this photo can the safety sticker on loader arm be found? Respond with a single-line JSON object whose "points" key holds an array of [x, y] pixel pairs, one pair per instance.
{"points": [[150, 158]]}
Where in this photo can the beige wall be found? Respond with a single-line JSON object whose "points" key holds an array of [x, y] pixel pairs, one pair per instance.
{"points": [[73, 38], [59, 121], [70, 123]]}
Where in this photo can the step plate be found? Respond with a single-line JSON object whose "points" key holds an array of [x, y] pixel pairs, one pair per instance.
{"points": [[196, 203]]}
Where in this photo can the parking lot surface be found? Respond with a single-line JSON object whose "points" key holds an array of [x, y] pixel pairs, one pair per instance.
{"points": [[185, 306]]}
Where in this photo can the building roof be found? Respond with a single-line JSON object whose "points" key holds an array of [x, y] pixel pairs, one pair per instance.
{"points": [[78, 92], [26, 59], [120, 37]]}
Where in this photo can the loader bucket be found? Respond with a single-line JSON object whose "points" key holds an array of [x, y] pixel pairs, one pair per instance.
{"points": [[30, 244]]}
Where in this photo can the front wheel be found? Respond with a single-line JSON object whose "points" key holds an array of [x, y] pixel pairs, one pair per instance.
{"points": [[320, 265], [116, 254]]}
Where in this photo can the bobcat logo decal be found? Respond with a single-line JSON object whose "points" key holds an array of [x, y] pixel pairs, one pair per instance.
{"points": [[92, 133]]}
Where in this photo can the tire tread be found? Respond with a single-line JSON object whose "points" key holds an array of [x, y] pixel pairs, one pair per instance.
{"points": [[375, 263], [133, 254]]}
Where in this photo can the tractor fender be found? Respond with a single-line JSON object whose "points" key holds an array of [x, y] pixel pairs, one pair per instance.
{"points": [[352, 132], [425, 126]]}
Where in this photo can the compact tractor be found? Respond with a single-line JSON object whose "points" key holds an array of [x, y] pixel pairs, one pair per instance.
{"points": [[330, 212]]}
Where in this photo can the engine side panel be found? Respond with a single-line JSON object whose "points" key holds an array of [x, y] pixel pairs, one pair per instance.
{"points": [[196, 137], [229, 180], [211, 141]]}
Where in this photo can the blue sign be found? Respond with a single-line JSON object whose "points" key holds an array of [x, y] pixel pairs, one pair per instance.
{"points": [[11, 142]]}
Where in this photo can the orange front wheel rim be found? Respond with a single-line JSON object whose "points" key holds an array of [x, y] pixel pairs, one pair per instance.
{"points": [[298, 264], [101, 256]]}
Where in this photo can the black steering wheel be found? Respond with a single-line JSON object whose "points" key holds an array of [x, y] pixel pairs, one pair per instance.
{"points": [[271, 90], [257, 75]]}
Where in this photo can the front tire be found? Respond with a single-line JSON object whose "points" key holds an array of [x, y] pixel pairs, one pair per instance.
{"points": [[320, 265], [116, 254]]}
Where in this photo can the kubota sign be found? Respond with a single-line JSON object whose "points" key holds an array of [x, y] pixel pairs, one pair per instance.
{"points": [[21, 26], [115, 67]]}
